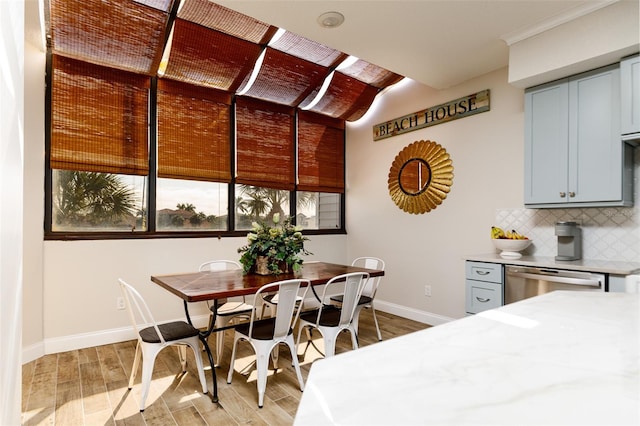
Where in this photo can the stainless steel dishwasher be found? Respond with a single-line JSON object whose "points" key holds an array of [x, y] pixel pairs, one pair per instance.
{"points": [[522, 282]]}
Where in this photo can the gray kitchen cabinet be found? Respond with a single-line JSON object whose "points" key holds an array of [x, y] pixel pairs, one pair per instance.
{"points": [[630, 97], [484, 286], [574, 155]]}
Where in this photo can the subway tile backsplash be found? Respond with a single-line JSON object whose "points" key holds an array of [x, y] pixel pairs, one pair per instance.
{"points": [[608, 233]]}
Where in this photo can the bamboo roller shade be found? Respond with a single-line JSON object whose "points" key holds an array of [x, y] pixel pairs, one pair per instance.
{"points": [[320, 153], [264, 144], [193, 133], [99, 118]]}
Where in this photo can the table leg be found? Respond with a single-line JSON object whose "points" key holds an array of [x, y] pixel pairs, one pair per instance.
{"points": [[203, 338]]}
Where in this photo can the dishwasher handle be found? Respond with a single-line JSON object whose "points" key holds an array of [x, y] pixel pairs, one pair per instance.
{"points": [[557, 279]]}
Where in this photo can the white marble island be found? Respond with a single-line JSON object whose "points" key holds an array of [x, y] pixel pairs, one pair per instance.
{"points": [[564, 358]]}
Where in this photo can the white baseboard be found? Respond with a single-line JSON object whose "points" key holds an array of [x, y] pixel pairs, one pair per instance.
{"points": [[399, 310], [87, 340], [32, 352], [412, 314], [115, 335]]}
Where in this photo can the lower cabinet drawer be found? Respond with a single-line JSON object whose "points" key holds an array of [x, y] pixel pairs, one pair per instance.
{"points": [[482, 296], [482, 271]]}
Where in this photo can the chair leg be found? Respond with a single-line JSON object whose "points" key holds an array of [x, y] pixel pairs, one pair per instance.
{"points": [[236, 338], [375, 320], [262, 366], [149, 359], [356, 317], [275, 354], [290, 343], [329, 338], [182, 355], [136, 363], [354, 337], [195, 346], [300, 327]]}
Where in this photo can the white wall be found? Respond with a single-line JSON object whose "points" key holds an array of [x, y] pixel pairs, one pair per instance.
{"points": [[11, 197], [428, 249]]}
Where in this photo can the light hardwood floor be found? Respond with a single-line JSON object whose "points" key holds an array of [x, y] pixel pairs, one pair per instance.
{"points": [[89, 386]]}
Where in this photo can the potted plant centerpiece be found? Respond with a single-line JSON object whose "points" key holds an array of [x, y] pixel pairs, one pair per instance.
{"points": [[273, 249]]}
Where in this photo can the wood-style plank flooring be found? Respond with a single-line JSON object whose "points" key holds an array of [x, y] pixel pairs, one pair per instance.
{"points": [[90, 386]]}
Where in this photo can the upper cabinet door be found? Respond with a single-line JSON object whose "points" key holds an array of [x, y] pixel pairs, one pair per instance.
{"points": [[574, 155], [595, 146], [546, 143], [630, 97]]}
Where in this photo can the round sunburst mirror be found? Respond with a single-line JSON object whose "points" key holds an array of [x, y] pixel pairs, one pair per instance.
{"points": [[420, 177]]}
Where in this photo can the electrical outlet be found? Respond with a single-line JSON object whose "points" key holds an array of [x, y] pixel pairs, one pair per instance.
{"points": [[120, 303], [427, 290]]}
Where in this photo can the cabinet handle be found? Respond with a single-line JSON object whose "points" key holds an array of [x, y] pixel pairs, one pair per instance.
{"points": [[481, 300], [572, 194], [483, 272], [563, 194]]}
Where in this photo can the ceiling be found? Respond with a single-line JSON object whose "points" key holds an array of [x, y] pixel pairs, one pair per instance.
{"points": [[439, 43]]}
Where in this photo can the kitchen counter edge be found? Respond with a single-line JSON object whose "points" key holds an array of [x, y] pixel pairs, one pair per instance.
{"points": [[588, 265]]}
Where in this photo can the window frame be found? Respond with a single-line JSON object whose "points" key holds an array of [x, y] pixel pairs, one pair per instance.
{"points": [[151, 232]]}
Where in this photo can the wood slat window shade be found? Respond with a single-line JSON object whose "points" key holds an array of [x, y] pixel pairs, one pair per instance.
{"points": [[193, 133], [286, 79], [320, 153], [119, 34], [346, 98], [371, 74], [310, 50], [209, 58], [211, 15], [264, 144], [98, 118]]}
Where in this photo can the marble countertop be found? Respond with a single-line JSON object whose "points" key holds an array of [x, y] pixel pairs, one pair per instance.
{"points": [[589, 265], [563, 358]]}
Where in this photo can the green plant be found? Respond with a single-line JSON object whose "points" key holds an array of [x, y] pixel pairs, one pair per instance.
{"points": [[92, 198], [282, 244]]}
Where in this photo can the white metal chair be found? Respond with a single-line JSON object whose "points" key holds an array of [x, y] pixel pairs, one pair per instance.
{"points": [[271, 301], [264, 335], [227, 310], [329, 319], [153, 337], [369, 292]]}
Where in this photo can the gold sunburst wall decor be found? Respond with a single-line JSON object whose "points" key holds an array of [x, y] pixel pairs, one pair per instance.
{"points": [[420, 177]]}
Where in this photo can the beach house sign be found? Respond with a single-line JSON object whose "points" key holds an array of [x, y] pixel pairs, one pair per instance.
{"points": [[459, 108]]}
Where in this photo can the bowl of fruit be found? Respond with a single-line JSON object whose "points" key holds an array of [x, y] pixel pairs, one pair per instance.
{"points": [[510, 243]]}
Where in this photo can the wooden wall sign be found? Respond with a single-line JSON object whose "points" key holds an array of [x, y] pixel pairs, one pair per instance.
{"points": [[459, 108]]}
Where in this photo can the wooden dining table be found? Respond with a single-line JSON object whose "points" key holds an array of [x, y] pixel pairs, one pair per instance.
{"points": [[215, 285]]}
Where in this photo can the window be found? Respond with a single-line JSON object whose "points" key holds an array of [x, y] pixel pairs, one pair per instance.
{"points": [[129, 155], [98, 202], [98, 148], [318, 210], [187, 205], [194, 165], [255, 203]]}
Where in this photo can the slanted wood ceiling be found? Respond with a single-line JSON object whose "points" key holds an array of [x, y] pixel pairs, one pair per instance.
{"points": [[202, 43]]}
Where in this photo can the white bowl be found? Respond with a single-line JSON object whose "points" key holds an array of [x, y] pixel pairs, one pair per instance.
{"points": [[510, 248]]}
